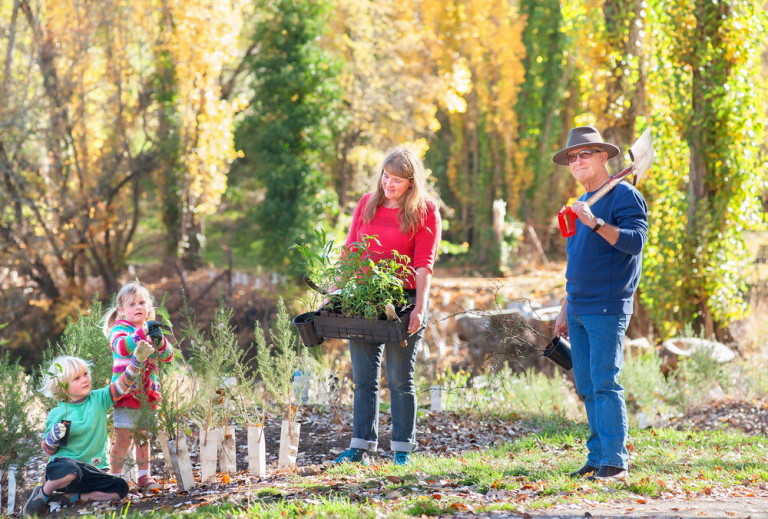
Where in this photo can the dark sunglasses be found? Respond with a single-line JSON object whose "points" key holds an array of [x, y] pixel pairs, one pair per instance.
{"points": [[583, 155]]}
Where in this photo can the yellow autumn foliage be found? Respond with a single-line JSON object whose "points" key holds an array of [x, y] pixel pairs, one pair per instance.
{"points": [[207, 119]]}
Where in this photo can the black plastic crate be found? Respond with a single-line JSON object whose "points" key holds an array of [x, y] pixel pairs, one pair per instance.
{"points": [[340, 327]]}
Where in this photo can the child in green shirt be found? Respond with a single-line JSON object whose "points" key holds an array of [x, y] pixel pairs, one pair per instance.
{"points": [[76, 433]]}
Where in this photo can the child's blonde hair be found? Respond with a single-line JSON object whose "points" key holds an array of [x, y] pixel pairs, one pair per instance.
{"points": [[127, 290], [60, 372]]}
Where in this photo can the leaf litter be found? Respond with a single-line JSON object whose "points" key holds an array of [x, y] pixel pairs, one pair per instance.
{"points": [[443, 434]]}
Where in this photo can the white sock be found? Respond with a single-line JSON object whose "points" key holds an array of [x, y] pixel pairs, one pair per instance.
{"points": [[142, 472]]}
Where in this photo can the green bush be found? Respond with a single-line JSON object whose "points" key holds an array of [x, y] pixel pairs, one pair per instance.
{"points": [[18, 438], [83, 337], [503, 392], [646, 390]]}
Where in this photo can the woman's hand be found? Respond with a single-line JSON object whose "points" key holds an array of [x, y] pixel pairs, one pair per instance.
{"points": [[416, 321]]}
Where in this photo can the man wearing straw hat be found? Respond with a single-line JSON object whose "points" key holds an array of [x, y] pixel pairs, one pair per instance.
{"points": [[602, 274]]}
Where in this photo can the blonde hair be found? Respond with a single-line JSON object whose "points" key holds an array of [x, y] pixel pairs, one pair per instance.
{"points": [[60, 372], [404, 163], [129, 290]]}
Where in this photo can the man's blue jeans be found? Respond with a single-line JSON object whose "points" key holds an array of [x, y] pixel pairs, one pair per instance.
{"points": [[597, 350], [366, 373]]}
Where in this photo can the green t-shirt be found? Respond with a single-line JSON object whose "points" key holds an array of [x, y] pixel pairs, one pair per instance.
{"points": [[87, 439]]}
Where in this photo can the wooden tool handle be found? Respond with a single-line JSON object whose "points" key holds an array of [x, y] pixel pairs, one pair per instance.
{"points": [[606, 188]]}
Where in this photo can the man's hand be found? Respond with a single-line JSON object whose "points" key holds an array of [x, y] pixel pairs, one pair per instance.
{"points": [[143, 351], [561, 323], [154, 331], [584, 213]]}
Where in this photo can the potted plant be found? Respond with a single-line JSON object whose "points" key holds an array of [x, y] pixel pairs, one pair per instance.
{"points": [[365, 295]]}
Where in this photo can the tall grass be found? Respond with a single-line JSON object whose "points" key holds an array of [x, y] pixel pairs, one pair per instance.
{"points": [[504, 392], [652, 398]]}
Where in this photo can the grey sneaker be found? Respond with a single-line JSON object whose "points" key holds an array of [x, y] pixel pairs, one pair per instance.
{"points": [[36, 503], [355, 456]]}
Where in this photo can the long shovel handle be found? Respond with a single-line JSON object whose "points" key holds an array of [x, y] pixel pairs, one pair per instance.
{"points": [[606, 188]]}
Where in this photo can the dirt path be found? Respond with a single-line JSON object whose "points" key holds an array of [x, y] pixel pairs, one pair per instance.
{"points": [[736, 507]]}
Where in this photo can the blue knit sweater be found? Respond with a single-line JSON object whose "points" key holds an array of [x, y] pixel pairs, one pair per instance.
{"points": [[602, 278]]}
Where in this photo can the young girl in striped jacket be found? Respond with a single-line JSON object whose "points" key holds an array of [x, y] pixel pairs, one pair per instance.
{"points": [[130, 321]]}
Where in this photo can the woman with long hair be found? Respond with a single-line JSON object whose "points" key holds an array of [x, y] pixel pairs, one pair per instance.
{"points": [[404, 218]]}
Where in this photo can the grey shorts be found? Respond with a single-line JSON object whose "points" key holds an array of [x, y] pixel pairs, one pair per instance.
{"points": [[127, 417]]}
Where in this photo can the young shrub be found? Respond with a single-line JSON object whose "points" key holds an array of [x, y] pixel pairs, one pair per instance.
{"points": [[276, 367], [18, 439], [277, 364], [210, 365], [180, 389], [231, 365], [179, 392], [83, 337]]}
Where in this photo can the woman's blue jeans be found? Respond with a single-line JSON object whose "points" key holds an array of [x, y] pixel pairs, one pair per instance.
{"points": [[366, 373], [597, 351]]}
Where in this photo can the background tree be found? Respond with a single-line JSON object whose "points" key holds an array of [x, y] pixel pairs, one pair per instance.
{"points": [[288, 131], [709, 119], [169, 168], [610, 66], [195, 122], [71, 157], [543, 111], [389, 88], [482, 73]]}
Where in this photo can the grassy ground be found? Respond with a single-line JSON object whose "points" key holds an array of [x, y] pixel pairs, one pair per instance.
{"points": [[524, 476]]}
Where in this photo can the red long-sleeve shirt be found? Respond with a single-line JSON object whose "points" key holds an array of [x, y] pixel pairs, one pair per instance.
{"points": [[420, 247]]}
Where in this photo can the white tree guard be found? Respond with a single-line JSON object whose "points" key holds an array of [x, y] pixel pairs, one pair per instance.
{"points": [[436, 397], [289, 445], [227, 450], [257, 452], [182, 466], [209, 453], [11, 476]]}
